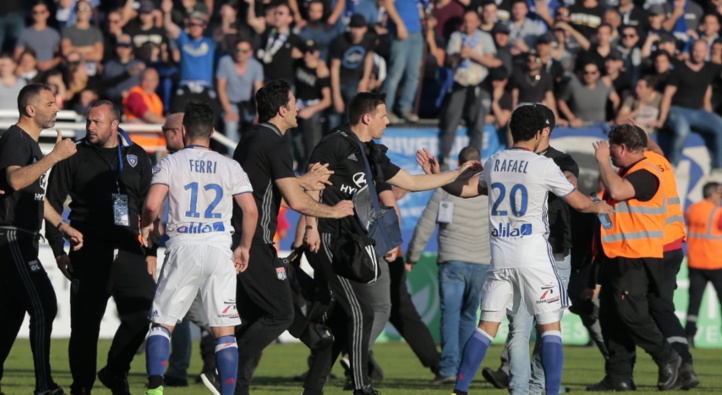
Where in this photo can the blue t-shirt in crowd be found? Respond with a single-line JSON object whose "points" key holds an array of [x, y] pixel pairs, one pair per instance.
{"points": [[196, 58], [239, 87], [409, 12], [322, 34]]}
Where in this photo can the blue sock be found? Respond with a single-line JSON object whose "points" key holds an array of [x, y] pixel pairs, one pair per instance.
{"points": [[157, 351], [474, 352], [227, 363], [552, 360]]}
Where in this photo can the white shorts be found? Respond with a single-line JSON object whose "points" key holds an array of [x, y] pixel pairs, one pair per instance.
{"points": [[538, 289], [190, 270]]}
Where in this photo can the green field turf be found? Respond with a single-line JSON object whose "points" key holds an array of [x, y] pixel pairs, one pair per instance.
{"points": [[404, 375]]}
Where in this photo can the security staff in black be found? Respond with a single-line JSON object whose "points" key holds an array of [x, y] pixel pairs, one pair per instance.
{"points": [[352, 318], [264, 296], [24, 284], [107, 181]]}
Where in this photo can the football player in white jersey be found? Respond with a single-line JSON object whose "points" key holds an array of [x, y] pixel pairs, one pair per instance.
{"points": [[522, 272], [201, 185]]}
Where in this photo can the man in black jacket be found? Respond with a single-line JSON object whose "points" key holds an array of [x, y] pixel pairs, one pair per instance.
{"points": [[107, 181]]}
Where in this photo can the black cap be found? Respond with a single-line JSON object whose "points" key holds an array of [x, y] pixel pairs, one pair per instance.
{"points": [[357, 20], [498, 73], [548, 114], [500, 28], [667, 38], [546, 38], [614, 55], [308, 46], [655, 9], [146, 7]]}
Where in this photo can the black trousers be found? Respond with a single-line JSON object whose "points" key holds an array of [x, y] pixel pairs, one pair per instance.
{"points": [[407, 321], [462, 102], [25, 287], [97, 275], [265, 307], [625, 316], [661, 306], [350, 320], [698, 279]]}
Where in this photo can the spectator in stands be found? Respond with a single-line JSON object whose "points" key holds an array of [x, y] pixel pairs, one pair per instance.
{"points": [[142, 104], [313, 96], [41, 38], [278, 47], [633, 15], [12, 22], [584, 103], [143, 29], [229, 30], [450, 13], [54, 79], [121, 73], [662, 69], [643, 107], [10, 84], [112, 30], [586, 16], [351, 56], [501, 100], [407, 48], [562, 53], [196, 62], [531, 84], [84, 38], [655, 18], [317, 29], [631, 53], [687, 104], [550, 65], [470, 54], [28, 66], [523, 31], [615, 75], [503, 47], [367, 8], [715, 55], [708, 31], [598, 52], [683, 19], [662, 42], [181, 15], [238, 77]]}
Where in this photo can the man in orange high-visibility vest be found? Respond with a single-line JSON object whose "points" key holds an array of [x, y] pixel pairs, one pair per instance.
{"points": [[629, 261], [704, 249]]}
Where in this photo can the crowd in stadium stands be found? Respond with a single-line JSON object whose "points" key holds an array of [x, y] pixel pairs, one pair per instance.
{"points": [[594, 62]]}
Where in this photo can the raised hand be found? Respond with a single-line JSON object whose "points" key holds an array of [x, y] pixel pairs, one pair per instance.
{"points": [[64, 148], [316, 178], [427, 162], [470, 168], [601, 151]]}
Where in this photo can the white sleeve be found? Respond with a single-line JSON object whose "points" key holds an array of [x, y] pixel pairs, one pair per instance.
{"points": [[484, 174], [241, 183], [161, 172], [555, 180]]}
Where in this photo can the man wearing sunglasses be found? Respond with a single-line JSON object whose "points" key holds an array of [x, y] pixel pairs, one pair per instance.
{"points": [[41, 38], [84, 38]]}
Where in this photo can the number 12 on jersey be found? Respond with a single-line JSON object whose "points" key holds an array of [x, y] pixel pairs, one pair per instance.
{"points": [[192, 212]]}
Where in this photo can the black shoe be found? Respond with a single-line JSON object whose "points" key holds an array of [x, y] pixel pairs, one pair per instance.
{"points": [[116, 382], [608, 385], [440, 380], [170, 381], [687, 378], [348, 386], [375, 372], [367, 390], [668, 373], [497, 378]]}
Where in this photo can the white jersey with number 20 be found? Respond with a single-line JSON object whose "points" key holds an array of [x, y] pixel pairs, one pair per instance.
{"points": [[201, 186], [518, 182]]}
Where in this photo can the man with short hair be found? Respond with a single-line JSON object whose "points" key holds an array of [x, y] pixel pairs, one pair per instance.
{"points": [[107, 182], [173, 132], [198, 261], [141, 103], [351, 56], [353, 317], [41, 38], [24, 284], [121, 73], [278, 44], [84, 38], [263, 294]]}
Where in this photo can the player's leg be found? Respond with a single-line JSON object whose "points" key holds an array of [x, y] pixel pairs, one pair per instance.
{"points": [[177, 286], [697, 285], [497, 296], [12, 307], [218, 296], [521, 325]]}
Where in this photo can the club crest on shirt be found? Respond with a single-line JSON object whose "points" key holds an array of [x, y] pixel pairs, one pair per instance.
{"points": [[132, 160]]}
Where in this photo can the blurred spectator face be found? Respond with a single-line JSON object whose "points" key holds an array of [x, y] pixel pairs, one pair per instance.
{"points": [[668, 46], [662, 64], [519, 10], [124, 47], [40, 13], [613, 66], [488, 13], [28, 62], [543, 49], [604, 35], [655, 21], [501, 39], [196, 27], [560, 35], [7, 66], [625, 3], [716, 52], [189, 4], [710, 26], [315, 11], [357, 33], [83, 11], [562, 15], [629, 37], [282, 16], [471, 22], [114, 20], [149, 80], [642, 89], [311, 56], [699, 52], [590, 74], [146, 18], [244, 51], [611, 16], [533, 63]]}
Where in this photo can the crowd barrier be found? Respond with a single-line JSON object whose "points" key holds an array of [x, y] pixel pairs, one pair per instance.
{"points": [[422, 281]]}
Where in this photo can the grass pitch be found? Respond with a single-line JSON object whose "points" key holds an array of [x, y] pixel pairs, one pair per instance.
{"points": [[403, 374]]}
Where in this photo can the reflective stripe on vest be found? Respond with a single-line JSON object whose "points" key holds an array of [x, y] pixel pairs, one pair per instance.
{"points": [[704, 243], [638, 228], [674, 225]]}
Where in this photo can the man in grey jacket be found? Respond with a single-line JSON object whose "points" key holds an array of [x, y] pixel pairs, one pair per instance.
{"points": [[464, 258]]}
